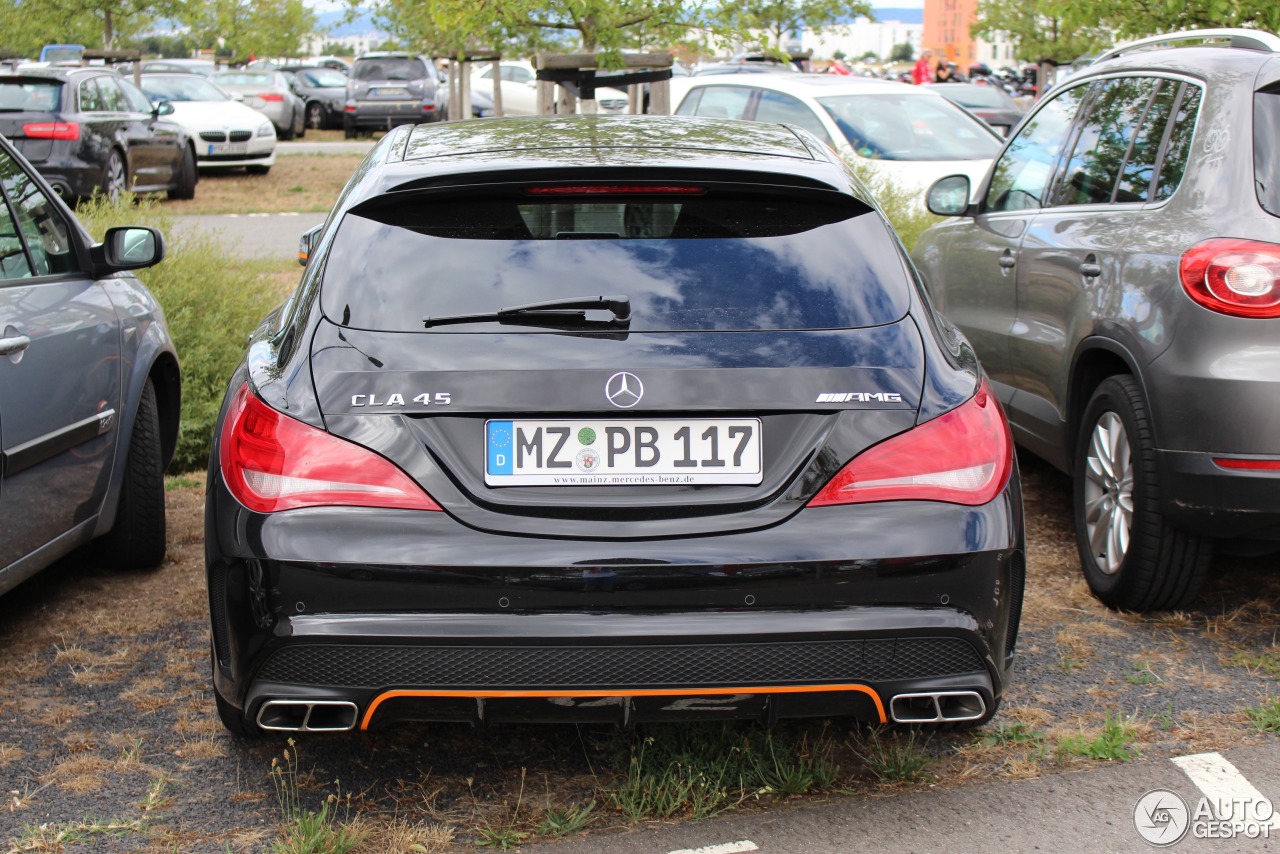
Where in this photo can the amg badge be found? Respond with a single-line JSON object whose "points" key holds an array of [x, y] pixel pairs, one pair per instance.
{"points": [[860, 396]]}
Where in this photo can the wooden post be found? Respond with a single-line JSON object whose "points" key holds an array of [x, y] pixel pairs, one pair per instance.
{"points": [[635, 99], [497, 88], [464, 94], [659, 93]]}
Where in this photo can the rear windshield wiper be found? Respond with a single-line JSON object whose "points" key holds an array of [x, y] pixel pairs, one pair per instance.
{"points": [[552, 313]]}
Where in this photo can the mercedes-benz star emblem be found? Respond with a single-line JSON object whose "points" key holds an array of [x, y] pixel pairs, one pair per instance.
{"points": [[624, 390]]}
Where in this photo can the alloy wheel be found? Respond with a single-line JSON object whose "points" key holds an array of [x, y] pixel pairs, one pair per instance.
{"points": [[1108, 493]]}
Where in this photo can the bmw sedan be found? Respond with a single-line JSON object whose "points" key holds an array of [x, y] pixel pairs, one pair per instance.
{"points": [[665, 429], [229, 134]]}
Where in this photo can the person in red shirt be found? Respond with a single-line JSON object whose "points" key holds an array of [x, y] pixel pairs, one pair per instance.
{"points": [[923, 72]]}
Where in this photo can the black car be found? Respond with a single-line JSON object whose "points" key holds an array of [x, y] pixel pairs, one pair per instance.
{"points": [[88, 129], [324, 90], [664, 429], [988, 102]]}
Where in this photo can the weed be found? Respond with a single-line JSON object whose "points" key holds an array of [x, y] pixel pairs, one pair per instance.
{"points": [[1267, 662], [54, 837], [309, 832], [1010, 733], [1142, 674], [671, 777], [897, 758], [183, 481], [156, 798], [798, 771], [1266, 717], [1114, 743], [567, 821], [505, 837]]}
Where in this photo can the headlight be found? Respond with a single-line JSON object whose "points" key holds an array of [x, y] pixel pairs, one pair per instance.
{"points": [[265, 129]]}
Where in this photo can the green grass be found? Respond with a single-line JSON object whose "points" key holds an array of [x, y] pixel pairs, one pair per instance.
{"points": [[1010, 733], [1141, 674], [211, 303], [308, 831], [697, 771], [1266, 717], [567, 821], [1267, 662], [896, 755], [1114, 743]]}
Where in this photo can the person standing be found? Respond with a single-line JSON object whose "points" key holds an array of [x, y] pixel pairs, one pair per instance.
{"points": [[944, 72], [923, 72]]}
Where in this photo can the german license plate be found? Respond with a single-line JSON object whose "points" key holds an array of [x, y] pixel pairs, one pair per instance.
{"points": [[229, 148], [623, 453], [389, 91]]}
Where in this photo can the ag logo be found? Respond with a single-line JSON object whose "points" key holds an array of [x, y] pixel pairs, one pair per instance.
{"points": [[624, 390], [1161, 817]]}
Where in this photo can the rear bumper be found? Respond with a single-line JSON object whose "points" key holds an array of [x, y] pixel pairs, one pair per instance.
{"points": [[411, 615], [70, 175], [375, 114], [1204, 498]]}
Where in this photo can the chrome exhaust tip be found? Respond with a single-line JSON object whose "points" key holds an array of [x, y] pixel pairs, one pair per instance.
{"points": [[307, 715], [932, 707]]}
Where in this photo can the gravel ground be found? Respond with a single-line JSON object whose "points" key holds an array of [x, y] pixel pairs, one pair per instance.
{"points": [[109, 742]]}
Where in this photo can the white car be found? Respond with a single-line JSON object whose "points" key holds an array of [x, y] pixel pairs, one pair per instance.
{"points": [[520, 90], [227, 134], [906, 136]]}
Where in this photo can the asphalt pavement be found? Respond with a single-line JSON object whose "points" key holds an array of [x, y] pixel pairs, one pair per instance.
{"points": [[355, 146], [1080, 813], [254, 235]]}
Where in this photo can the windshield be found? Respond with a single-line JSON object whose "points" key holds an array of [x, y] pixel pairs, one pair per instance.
{"points": [[977, 96], [181, 88], [240, 78], [909, 126], [323, 78], [390, 68], [30, 96], [727, 263]]}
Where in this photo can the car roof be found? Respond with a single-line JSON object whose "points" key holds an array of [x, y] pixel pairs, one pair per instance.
{"points": [[1198, 61], [605, 144], [813, 85], [62, 75]]}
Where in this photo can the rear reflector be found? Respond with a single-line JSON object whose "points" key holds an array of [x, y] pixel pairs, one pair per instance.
{"points": [[613, 190], [272, 462], [52, 130], [1254, 465], [962, 457], [1233, 276]]}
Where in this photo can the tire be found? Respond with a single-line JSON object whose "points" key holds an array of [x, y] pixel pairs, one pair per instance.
{"points": [[185, 188], [232, 718], [300, 124], [1132, 557], [315, 115], [136, 541], [257, 170], [285, 134], [115, 175]]}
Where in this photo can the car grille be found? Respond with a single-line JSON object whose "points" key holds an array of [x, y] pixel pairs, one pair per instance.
{"points": [[241, 135], [213, 136], [649, 666], [613, 104]]}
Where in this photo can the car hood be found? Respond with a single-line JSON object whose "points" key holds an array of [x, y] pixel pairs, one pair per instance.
{"points": [[215, 115]]}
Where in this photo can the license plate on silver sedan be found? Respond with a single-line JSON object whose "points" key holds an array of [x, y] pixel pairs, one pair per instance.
{"points": [[623, 453]]}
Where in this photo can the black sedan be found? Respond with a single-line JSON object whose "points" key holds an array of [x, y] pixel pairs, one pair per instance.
{"points": [[323, 90], [990, 103], [89, 130], [665, 429]]}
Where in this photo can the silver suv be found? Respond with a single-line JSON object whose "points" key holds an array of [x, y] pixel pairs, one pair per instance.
{"points": [[1119, 278], [390, 89]]}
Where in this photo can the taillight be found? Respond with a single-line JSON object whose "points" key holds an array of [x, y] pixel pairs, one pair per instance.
{"points": [[52, 130], [1233, 276], [272, 96], [272, 462], [962, 457]]}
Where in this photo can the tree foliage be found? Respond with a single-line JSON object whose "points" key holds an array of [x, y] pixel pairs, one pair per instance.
{"points": [[1039, 29], [778, 18], [250, 27], [28, 24]]}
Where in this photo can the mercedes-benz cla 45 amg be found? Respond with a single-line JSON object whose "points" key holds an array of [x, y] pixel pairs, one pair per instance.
{"points": [[609, 418]]}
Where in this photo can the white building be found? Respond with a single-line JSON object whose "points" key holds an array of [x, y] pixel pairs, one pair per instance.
{"points": [[862, 37]]}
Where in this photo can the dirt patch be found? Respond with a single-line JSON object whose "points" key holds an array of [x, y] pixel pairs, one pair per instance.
{"points": [[298, 182], [107, 713]]}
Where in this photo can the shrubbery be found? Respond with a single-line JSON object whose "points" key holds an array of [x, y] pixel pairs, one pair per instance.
{"points": [[211, 302]]}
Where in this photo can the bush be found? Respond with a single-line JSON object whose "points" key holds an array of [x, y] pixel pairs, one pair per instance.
{"points": [[904, 208], [211, 303]]}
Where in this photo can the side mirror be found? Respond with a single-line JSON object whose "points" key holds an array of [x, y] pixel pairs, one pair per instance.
{"points": [[127, 248], [162, 108], [307, 242], [949, 196], [237, 96]]}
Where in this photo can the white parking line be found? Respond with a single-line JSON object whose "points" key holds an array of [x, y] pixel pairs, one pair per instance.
{"points": [[1221, 781], [722, 848]]}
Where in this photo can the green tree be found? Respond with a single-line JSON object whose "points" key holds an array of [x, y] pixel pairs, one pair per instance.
{"points": [[244, 27], [1040, 29], [902, 53], [1136, 18], [777, 18], [28, 24]]}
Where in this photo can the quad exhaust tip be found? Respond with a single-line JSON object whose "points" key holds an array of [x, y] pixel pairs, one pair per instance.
{"points": [[934, 707], [307, 715]]}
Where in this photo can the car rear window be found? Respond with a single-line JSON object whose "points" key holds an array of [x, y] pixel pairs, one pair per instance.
{"points": [[909, 127], [389, 69], [709, 262], [30, 96], [1266, 156]]}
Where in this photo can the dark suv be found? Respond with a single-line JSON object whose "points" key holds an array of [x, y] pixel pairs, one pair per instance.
{"points": [[1119, 277], [390, 89]]}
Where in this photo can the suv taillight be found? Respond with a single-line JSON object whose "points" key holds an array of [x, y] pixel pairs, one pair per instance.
{"points": [[272, 462], [962, 457], [1233, 276]]}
